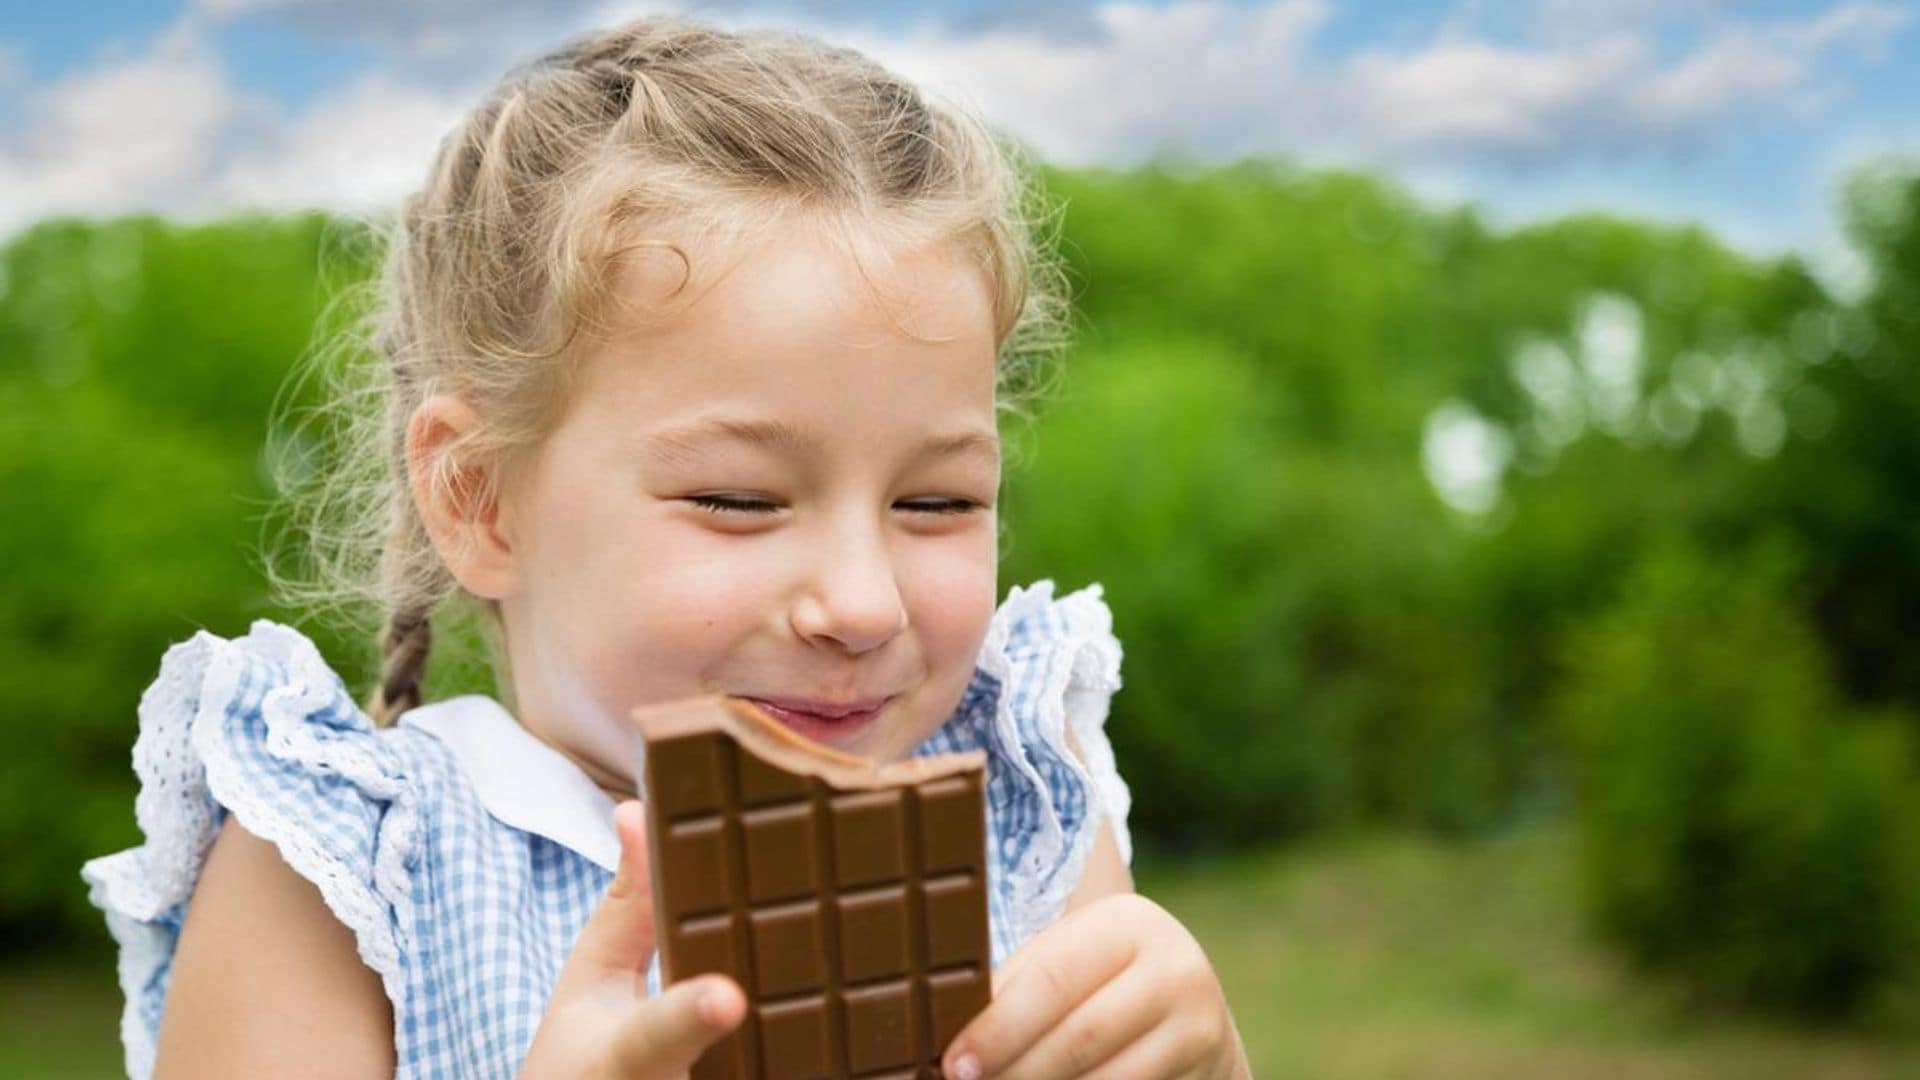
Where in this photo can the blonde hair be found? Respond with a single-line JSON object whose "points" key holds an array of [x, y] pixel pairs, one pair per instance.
{"points": [[494, 268]]}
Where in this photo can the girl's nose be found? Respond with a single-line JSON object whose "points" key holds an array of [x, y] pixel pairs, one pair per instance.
{"points": [[853, 601]]}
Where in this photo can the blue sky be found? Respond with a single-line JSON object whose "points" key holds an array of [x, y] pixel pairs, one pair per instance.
{"points": [[1740, 115]]}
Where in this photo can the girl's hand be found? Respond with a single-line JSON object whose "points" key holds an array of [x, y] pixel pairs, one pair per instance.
{"points": [[600, 1023], [1115, 989]]}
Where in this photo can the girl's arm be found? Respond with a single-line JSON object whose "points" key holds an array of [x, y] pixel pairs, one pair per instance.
{"points": [[1105, 873], [266, 982]]}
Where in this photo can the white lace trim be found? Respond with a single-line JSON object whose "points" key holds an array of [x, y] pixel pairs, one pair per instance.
{"points": [[185, 767], [1090, 689], [1074, 690]]}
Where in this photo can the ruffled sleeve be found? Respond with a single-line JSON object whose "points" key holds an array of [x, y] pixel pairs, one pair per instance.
{"points": [[1049, 666], [259, 727]]}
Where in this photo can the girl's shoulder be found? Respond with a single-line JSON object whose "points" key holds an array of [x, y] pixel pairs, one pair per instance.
{"points": [[1038, 705], [260, 727]]}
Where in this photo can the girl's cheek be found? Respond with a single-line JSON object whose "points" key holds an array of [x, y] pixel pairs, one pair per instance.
{"points": [[953, 583], [698, 580]]}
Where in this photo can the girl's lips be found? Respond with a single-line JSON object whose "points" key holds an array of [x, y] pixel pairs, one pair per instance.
{"points": [[833, 730]]}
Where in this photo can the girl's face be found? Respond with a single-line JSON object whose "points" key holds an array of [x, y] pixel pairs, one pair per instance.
{"points": [[771, 492]]}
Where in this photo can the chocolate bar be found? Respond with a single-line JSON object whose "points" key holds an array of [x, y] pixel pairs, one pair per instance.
{"points": [[847, 897]]}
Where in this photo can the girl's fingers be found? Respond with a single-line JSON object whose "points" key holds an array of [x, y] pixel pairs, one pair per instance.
{"points": [[1168, 1050], [618, 939], [663, 1036], [1008, 971], [1064, 965], [1117, 1015]]}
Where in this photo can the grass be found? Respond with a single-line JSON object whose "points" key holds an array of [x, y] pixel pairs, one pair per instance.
{"points": [[1397, 957], [1377, 957], [60, 1019]]}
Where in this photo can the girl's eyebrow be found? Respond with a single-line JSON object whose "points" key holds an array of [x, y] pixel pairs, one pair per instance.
{"points": [[688, 440]]}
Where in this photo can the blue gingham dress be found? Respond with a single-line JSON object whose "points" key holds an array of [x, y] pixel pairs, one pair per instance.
{"points": [[467, 919]]}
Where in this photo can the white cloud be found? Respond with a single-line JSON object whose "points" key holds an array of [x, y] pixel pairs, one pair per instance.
{"points": [[359, 149], [170, 129], [1870, 25], [1200, 74], [1222, 80], [1461, 98], [1748, 65], [146, 131]]}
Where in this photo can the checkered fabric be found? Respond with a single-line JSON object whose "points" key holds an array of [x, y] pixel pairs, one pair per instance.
{"points": [[466, 919]]}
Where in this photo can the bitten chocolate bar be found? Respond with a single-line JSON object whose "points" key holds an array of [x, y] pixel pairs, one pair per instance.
{"points": [[846, 897]]}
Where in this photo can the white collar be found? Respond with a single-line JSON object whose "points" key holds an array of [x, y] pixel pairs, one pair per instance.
{"points": [[520, 780]]}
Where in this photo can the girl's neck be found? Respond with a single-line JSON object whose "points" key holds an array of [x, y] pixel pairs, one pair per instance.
{"points": [[617, 786]]}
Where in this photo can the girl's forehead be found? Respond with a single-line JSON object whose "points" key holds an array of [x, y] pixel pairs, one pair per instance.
{"points": [[796, 275], [796, 322]]}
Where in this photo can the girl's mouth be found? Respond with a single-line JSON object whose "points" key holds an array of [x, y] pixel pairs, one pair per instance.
{"points": [[834, 730]]}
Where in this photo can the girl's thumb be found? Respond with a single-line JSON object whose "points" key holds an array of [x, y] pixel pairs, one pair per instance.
{"points": [[619, 935]]}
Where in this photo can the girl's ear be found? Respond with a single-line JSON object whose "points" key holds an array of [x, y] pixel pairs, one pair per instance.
{"points": [[458, 505]]}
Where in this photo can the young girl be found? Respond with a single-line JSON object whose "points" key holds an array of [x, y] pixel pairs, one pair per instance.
{"points": [[694, 347]]}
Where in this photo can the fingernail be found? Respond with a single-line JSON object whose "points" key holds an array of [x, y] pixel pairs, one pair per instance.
{"points": [[710, 1006], [965, 1067]]}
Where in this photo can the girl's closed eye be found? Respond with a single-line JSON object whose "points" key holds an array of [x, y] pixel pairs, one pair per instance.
{"points": [[940, 505], [753, 504], [734, 504]]}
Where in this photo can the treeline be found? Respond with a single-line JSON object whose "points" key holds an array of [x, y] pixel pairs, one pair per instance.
{"points": [[1403, 518]]}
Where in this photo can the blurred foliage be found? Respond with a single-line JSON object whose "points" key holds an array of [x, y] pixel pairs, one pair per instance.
{"points": [[1741, 823], [138, 362], [1246, 453], [1853, 493], [1351, 468]]}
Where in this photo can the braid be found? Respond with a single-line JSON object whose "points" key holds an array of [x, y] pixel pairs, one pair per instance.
{"points": [[409, 637]]}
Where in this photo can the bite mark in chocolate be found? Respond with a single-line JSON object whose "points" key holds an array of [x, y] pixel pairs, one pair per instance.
{"points": [[847, 897]]}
